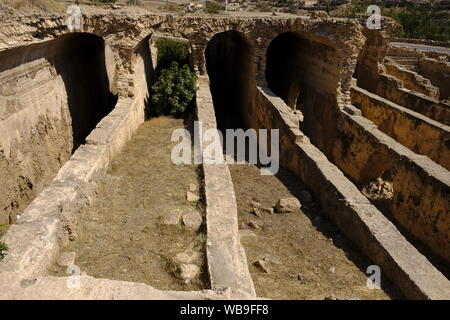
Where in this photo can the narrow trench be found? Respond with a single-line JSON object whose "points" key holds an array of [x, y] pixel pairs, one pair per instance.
{"points": [[305, 255], [291, 77], [133, 230], [146, 223]]}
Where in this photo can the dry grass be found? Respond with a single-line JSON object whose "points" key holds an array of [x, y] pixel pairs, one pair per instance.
{"points": [[316, 260]]}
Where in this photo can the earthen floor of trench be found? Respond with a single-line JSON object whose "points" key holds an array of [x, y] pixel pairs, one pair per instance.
{"points": [[307, 256], [121, 235]]}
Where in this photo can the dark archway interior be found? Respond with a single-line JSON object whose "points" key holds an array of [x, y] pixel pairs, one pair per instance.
{"points": [[230, 67], [81, 63], [284, 67]]}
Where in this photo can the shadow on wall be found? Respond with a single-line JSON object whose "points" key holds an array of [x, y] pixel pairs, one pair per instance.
{"points": [[81, 62], [230, 66], [284, 67]]}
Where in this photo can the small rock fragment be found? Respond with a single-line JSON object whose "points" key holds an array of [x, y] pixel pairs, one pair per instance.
{"points": [[187, 257], [66, 259], [331, 297], [273, 259], [332, 270], [287, 205], [255, 204], [246, 233], [190, 196], [192, 219], [268, 210], [171, 218], [188, 271], [262, 265], [192, 187]]}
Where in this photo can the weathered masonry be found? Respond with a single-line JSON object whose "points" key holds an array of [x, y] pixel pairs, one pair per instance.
{"points": [[348, 119]]}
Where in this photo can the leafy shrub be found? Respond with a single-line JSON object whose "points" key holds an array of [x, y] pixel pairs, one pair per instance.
{"points": [[3, 250], [264, 7], [170, 50], [174, 90], [134, 2], [213, 7]]}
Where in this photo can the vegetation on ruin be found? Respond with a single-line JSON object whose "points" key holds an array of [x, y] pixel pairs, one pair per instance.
{"points": [[176, 85], [170, 50], [134, 2], [213, 7]]}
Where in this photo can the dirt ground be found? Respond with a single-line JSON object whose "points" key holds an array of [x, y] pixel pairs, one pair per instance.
{"points": [[122, 236], [308, 257]]}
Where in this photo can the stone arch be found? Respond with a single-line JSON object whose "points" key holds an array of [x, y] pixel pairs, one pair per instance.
{"points": [[284, 66]]}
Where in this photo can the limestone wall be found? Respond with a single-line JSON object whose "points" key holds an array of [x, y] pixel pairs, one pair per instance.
{"points": [[420, 134], [52, 95], [373, 233], [420, 200]]}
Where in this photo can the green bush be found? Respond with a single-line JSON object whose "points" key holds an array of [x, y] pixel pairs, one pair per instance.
{"points": [[213, 7], [3, 250], [170, 50], [174, 90], [3, 247]]}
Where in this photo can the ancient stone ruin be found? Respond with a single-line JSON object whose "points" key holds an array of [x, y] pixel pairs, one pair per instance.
{"points": [[86, 184]]}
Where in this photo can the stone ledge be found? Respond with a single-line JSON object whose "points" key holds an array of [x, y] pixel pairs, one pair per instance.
{"points": [[227, 262]]}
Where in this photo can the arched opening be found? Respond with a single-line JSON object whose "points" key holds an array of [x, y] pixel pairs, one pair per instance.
{"points": [[85, 65], [284, 67], [230, 66], [303, 70]]}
